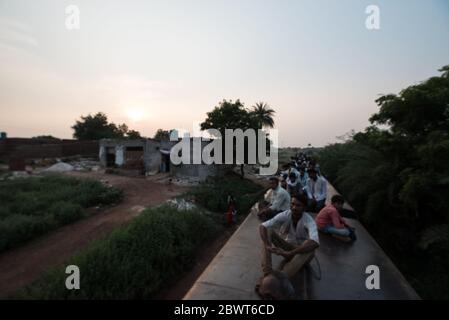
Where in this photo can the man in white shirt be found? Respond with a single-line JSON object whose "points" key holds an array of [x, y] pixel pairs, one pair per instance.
{"points": [[296, 240], [293, 184], [316, 191], [277, 199]]}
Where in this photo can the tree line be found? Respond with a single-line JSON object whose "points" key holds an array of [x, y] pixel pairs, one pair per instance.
{"points": [[396, 175], [227, 114]]}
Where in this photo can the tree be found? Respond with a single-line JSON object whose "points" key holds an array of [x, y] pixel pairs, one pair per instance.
{"points": [[229, 115], [162, 135], [263, 115], [397, 178], [234, 115], [418, 109], [95, 127], [133, 134]]}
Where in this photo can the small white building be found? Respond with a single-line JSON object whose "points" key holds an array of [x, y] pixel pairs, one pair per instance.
{"points": [[150, 156]]}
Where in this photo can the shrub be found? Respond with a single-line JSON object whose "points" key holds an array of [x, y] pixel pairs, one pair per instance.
{"points": [[213, 195]]}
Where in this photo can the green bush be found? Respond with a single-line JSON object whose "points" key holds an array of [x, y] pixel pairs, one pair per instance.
{"points": [[135, 260], [213, 195], [32, 206]]}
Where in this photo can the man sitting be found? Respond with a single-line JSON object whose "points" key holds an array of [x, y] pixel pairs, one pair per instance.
{"points": [[303, 177], [296, 241], [330, 221], [293, 185], [316, 191], [277, 199]]}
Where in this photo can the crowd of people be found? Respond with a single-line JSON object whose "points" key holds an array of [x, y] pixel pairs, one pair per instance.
{"points": [[288, 228]]}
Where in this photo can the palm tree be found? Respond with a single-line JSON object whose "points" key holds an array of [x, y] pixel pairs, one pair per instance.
{"points": [[263, 115]]}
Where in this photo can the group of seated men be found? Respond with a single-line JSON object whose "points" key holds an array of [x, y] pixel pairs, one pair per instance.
{"points": [[290, 231], [302, 180]]}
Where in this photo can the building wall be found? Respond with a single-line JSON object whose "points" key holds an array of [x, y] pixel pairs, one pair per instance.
{"points": [[120, 146], [48, 150], [152, 158], [45, 148], [152, 155]]}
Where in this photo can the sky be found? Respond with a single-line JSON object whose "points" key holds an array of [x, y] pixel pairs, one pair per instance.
{"points": [[164, 64]]}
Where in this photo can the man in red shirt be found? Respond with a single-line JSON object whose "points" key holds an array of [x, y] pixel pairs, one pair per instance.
{"points": [[330, 221]]}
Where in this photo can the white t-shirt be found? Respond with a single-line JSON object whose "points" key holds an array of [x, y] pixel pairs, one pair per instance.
{"points": [[305, 228], [278, 198]]}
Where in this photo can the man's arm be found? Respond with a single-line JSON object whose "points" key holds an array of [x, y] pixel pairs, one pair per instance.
{"points": [[337, 220], [277, 201], [307, 246], [276, 221]]}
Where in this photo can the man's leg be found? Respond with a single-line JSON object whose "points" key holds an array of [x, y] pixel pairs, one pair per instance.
{"points": [[311, 205], [271, 214], [291, 267], [263, 206], [266, 263], [267, 266], [297, 263], [344, 232]]}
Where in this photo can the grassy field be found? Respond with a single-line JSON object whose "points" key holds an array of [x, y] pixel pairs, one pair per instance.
{"points": [[150, 252], [32, 206], [135, 261]]}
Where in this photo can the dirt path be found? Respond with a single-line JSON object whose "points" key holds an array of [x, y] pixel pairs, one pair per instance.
{"points": [[23, 265]]}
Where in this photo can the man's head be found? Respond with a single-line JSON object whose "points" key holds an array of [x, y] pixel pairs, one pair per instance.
{"points": [[312, 174], [274, 182], [292, 177], [337, 201], [276, 286], [297, 206]]}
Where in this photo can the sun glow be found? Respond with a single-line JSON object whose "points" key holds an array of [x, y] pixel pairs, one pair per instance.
{"points": [[136, 114]]}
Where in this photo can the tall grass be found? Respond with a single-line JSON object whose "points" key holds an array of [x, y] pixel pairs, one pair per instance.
{"points": [[32, 206], [135, 261]]}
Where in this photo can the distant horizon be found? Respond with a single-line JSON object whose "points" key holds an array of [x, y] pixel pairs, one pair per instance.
{"points": [[159, 65], [144, 137]]}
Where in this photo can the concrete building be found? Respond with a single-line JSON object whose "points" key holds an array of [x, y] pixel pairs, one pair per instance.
{"points": [[151, 156], [146, 155]]}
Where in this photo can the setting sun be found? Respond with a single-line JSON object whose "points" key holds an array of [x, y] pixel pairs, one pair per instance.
{"points": [[136, 114]]}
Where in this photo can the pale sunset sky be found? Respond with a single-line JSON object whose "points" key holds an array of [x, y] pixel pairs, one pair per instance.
{"points": [[164, 64]]}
